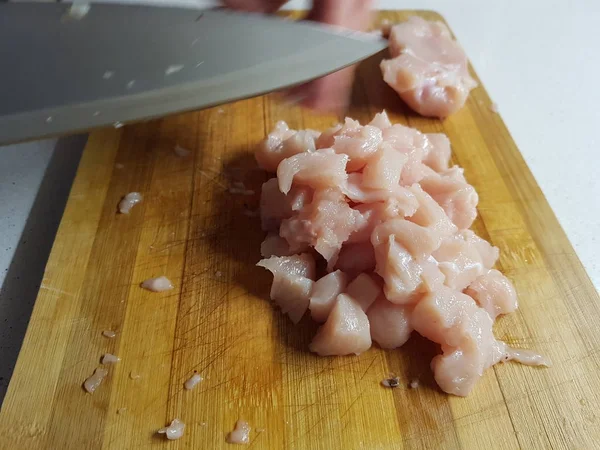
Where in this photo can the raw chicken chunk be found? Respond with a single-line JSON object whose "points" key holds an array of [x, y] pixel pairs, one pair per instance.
{"points": [[452, 192], [324, 294], [463, 257], [381, 121], [274, 245], [292, 283], [276, 206], [464, 331], [325, 224], [345, 332], [429, 70], [404, 278], [399, 199], [356, 258], [282, 143], [383, 170], [419, 241], [358, 142], [390, 323], [364, 289], [494, 293], [438, 152], [431, 215], [321, 169]]}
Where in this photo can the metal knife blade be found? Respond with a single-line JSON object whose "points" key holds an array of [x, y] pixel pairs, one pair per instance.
{"points": [[122, 63]]}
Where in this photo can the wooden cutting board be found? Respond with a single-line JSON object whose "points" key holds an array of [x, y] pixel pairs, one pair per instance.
{"points": [[217, 321]]}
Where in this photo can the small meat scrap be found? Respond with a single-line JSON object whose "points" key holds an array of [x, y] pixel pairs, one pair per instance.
{"points": [[109, 334], [134, 375], [392, 382], [92, 383], [158, 284], [192, 382], [240, 434], [428, 69], [108, 358], [129, 201], [174, 430], [414, 384]]}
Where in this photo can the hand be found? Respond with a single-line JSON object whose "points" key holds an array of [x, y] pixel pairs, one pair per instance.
{"points": [[330, 93]]}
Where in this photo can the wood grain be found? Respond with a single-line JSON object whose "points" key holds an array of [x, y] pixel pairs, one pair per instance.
{"points": [[255, 363]]}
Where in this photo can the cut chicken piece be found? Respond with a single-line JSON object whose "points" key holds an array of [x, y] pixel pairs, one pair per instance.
{"points": [[463, 257], [292, 294], [373, 214], [129, 201], [383, 170], [292, 283], [324, 294], [359, 143], [494, 293], [274, 245], [345, 332], [438, 153], [389, 322], [398, 199], [364, 289], [429, 70], [464, 330], [356, 258], [300, 265], [430, 214], [452, 192], [419, 241], [406, 140], [325, 224], [282, 143], [276, 206], [400, 272], [326, 139], [381, 121], [320, 170]]}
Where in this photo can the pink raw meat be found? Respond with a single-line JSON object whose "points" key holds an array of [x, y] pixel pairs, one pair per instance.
{"points": [[390, 323], [452, 192], [355, 258], [292, 282], [321, 169], [358, 142], [275, 206], [494, 293], [382, 208], [324, 294], [463, 257], [428, 69], [364, 289], [283, 143], [325, 224], [345, 332]]}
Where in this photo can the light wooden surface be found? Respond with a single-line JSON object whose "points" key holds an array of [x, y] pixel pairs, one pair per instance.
{"points": [[256, 366]]}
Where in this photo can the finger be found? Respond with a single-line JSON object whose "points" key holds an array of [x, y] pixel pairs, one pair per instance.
{"points": [[260, 6], [330, 93]]}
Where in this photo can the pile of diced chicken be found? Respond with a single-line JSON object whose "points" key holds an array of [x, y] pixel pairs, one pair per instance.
{"points": [[379, 208], [428, 69]]}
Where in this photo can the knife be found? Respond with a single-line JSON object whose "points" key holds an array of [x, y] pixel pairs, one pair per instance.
{"points": [[66, 69]]}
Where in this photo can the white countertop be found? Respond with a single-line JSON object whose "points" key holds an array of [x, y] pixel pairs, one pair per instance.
{"points": [[538, 59]]}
